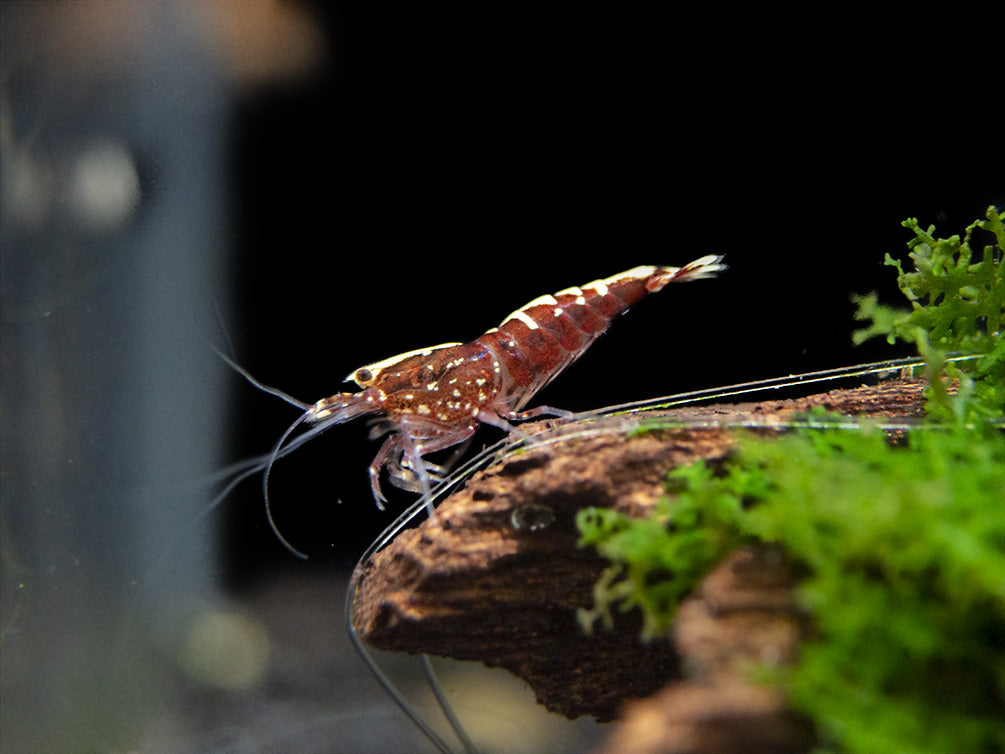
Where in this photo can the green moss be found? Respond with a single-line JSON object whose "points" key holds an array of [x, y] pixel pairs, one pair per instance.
{"points": [[657, 560], [903, 548], [957, 305]]}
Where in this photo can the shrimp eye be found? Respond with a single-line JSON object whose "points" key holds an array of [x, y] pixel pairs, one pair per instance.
{"points": [[362, 377]]}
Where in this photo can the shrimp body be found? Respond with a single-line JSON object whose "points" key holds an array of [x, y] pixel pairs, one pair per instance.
{"points": [[434, 398]]}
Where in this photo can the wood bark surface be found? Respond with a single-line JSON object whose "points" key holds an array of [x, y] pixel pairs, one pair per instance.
{"points": [[498, 577]]}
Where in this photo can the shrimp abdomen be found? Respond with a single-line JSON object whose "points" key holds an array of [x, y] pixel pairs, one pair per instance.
{"points": [[536, 342]]}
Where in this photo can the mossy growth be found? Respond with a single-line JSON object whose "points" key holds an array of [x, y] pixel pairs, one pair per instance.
{"points": [[957, 305], [901, 549]]}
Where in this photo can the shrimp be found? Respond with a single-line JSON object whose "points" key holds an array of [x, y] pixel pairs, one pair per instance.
{"points": [[434, 398]]}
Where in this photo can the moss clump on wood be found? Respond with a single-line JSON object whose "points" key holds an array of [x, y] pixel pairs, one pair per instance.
{"points": [[901, 549], [957, 305]]}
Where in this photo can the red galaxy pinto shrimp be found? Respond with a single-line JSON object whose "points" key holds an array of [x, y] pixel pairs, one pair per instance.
{"points": [[434, 398]]}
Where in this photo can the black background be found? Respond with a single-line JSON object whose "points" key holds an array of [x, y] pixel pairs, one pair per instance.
{"points": [[450, 162]]}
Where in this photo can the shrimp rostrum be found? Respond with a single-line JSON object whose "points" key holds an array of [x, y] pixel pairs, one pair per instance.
{"points": [[434, 398]]}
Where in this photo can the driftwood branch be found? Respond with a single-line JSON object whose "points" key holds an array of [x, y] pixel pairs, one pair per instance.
{"points": [[497, 577]]}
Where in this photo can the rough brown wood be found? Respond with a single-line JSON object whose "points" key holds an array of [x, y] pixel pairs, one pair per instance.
{"points": [[497, 576], [743, 612]]}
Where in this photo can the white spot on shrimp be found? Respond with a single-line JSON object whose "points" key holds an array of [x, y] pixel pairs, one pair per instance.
{"points": [[545, 300], [636, 273], [580, 300], [521, 313], [424, 409], [599, 286], [480, 381], [573, 291], [457, 393], [525, 318], [431, 386]]}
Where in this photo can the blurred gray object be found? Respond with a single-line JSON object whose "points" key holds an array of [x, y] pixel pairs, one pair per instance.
{"points": [[113, 245]]}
